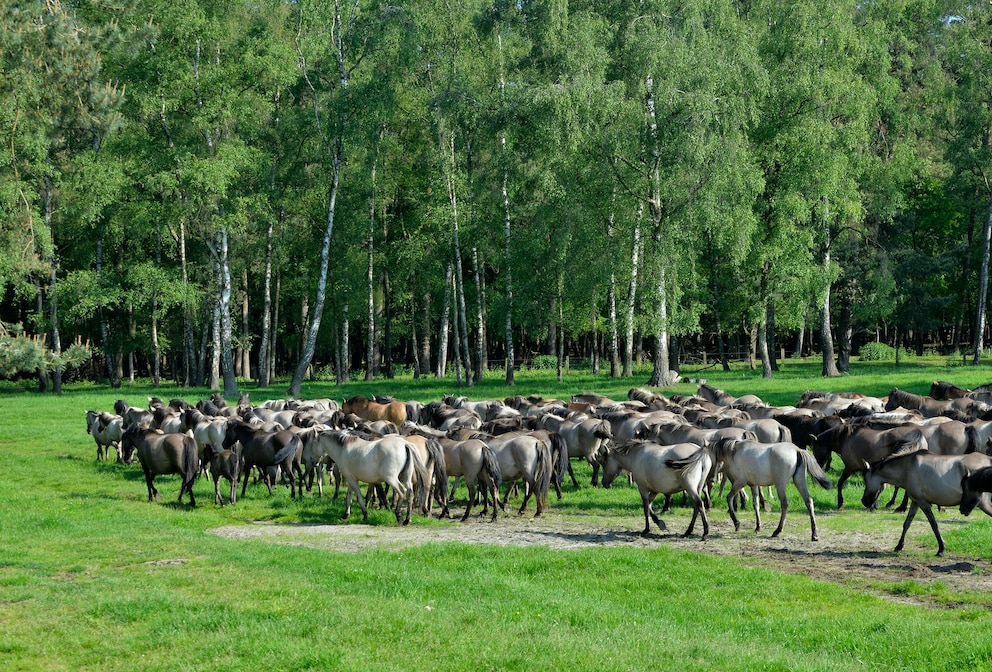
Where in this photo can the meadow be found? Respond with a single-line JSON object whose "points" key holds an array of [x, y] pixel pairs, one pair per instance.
{"points": [[94, 577]]}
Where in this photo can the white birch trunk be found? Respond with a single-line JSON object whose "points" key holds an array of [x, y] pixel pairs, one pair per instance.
{"points": [[628, 357], [983, 288], [263, 347], [442, 347]]}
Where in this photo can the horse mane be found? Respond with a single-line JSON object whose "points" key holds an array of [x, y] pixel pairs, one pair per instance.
{"points": [[980, 479], [357, 399], [909, 446], [898, 394]]}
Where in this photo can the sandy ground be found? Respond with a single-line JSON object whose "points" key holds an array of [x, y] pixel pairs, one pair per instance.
{"points": [[856, 560]]}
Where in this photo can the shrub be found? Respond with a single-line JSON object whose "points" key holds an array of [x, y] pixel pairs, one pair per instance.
{"points": [[545, 363], [882, 352]]}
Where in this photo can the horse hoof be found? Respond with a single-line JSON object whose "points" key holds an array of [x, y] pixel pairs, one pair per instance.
{"points": [[815, 538]]}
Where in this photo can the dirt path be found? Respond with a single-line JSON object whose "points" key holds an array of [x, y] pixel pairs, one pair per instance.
{"points": [[856, 560]]}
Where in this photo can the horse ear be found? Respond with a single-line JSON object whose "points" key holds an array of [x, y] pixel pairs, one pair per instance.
{"points": [[867, 466]]}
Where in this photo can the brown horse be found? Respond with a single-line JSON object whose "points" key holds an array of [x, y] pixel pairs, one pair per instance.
{"points": [[223, 464], [942, 390], [857, 446], [161, 453], [267, 449], [394, 412]]}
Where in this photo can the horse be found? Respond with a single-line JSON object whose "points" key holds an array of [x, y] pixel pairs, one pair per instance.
{"points": [[106, 430], [432, 455], [928, 479], [207, 430], [942, 390], [392, 460], [973, 487], [721, 398], [749, 463], [528, 458], [161, 453], [860, 445], [132, 415], [367, 409], [441, 416], [928, 406], [582, 439], [663, 470], [477, 462], [223, 464], [266, 449]]}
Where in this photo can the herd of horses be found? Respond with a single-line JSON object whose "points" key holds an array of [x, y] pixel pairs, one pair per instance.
{"points": [[933, 447]]}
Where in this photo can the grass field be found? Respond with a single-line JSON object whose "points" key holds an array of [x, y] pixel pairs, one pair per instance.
{"points": [[93, 577]]}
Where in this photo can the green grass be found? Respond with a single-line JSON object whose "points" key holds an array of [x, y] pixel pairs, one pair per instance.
{"points": [[93, 577]]}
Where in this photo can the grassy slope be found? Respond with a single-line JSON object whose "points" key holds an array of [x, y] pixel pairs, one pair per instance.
{"points": [[94, 577]]}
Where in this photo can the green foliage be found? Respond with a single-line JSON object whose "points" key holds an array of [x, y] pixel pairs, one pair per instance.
{"points": [[544, 363], [881, 352], [21, 353]]}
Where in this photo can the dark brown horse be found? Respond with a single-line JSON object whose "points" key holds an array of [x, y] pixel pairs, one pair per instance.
{"points": [[974, 485], [267, 449], [223, 464], [161, 453], [942, 390], [367, 409], [857, 446]]}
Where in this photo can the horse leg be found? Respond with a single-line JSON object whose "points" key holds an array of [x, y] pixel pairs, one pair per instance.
{"points": [[928, 512], [149, 481], [735, 489], [846, 474], [905, 500], [913, 508], [471, 497], [783, 497], [803, 489], [217, 500], [575, 482], [755, 496], [527, 492], [646, 505], [654, 516]]}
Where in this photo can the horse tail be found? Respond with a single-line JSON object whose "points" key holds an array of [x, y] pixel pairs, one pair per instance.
{"points": [[603, 430], [436, 452], [423, 477], [686, 463], [191, 462], [491, 465], [289, 449], [559, 453], [808, 463], [974, 440], [543, 473], [784, 434]]}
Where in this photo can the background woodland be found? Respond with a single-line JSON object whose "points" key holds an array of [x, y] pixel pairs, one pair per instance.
{"points": [[208, 191]]}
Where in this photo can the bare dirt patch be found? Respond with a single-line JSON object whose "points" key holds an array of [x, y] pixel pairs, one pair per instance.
{"points": [[852, 559]]}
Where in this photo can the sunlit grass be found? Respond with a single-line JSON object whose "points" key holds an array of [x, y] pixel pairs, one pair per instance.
{"points": [[93, 577]]}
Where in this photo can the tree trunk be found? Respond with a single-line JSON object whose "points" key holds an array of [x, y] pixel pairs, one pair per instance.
{"points": [[156, 349], [442, 347], [826, 338], [227, 361], [481, 356], [263, 347], [983, 288], [770, 326], [245, 328], [510, 363], [345, 344], [414, 343], [387, 334], [214, 382], [628, 357], [310, 344], [660, 376], [845, 332], [457, 344], [611, 300], [766, 366], [425, 339], [370, 338]]}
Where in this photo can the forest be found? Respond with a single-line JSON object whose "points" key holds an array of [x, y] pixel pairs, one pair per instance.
{"points": [[208, 192]]}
